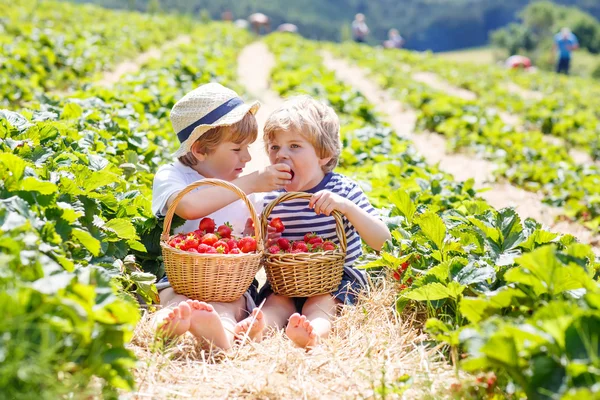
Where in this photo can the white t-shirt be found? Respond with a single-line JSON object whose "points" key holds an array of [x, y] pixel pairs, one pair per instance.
{"points": [[173, 178]]}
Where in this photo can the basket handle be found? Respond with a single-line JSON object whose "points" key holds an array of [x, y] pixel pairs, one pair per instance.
{"points": [[218, 183], [339, 222]]}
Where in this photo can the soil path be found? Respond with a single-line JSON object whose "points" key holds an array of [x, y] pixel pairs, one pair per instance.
{"points": [[433, 147], [132, 66]]}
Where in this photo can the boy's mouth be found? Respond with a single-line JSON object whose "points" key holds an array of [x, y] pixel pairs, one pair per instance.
{"points": [[292, 173]]}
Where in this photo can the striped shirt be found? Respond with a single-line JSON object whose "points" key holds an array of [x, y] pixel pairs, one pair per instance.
{"points": [[298, 219]]}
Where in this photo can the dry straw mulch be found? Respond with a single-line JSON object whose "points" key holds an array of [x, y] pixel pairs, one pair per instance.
{"points": [[367, 356]]}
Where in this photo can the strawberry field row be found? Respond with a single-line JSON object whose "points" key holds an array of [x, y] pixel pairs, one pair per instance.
{"points": [[510, 297], [524, 158], [76, 177], [50, 45]]}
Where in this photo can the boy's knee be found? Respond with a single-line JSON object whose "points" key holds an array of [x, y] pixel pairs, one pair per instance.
{"points": [[275, 300], [324, 302]]}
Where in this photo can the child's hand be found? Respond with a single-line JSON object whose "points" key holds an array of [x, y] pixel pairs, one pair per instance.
{"points": [[272, 235], [273, 177], [324, 202]]}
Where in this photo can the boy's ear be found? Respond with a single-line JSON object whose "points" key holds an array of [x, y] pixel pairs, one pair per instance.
{"points": [[198, 151], [324, 161]]}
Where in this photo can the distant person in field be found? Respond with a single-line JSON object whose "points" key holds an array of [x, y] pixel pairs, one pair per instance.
{"points": [[360, 30], [518, 62], [227, 15], [564, 43], [287, 27], [260, 22], [395, 41]]}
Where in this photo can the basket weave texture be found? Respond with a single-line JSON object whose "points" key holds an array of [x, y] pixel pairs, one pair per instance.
{"points": [[211, 277], [304, 274]]}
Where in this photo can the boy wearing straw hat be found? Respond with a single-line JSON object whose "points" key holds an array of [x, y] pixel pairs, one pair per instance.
{"points": [[215, 128], [305, 135]]}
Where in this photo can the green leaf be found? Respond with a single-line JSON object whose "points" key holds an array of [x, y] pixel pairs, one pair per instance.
{"points": [[71, 111], [429, 292], [31, 184], [402, 201], [87, 240], [14, 164], [123, 228], [433, 228]]}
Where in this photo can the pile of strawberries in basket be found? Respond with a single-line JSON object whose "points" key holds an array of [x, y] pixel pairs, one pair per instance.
{"points": [[206, 240], [312, 243]]}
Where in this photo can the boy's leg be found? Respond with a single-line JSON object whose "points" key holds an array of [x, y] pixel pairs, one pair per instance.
{"points": [[277, 309], [314, 324]]}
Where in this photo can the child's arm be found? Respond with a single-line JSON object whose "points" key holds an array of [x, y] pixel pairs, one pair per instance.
{"points": [[370, 228], [200, 203]]}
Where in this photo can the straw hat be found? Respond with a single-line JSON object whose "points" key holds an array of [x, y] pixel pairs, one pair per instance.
{"points": [[204, 108]]}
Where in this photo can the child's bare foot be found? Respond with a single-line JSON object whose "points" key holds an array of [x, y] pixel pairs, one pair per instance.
{"points": [[206, 324], [300, 331], [255, 331], [177, 322]]}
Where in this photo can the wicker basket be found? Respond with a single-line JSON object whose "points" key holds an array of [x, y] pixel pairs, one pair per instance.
{"points": [[305, 274], [210, 277]]}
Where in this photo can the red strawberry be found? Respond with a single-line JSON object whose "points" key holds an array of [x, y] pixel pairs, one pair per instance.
{"points": [[396, 276], [329, 246], [203, 248], [300, 246], [199, 233], [210, 239], [222, 249], [235, 251], [404, 266], [296, 251], [233, 244], [193, 250], [316, 247], [224, 230], [309, 236], [274, 249], [277, 224], [211, 250], [220, 243], [403, 287], [283, 244], [207, 225], [189, 242], [315, 240], [247, 244]]}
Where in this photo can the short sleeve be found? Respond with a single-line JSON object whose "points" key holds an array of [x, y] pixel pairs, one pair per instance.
{"points": [[358, 197], [167, 182]]}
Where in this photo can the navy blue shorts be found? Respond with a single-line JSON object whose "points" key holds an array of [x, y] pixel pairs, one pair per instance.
{"points": [[353, 282]]}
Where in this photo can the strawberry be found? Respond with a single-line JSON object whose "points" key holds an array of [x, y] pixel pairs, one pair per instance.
{"points": [[222, 249], [283, 244], [277, 224], [207, 225], [315, 248], [189, 242], [211, 250], [224, 230], [193, 250], [296, 251], [203, 248], [303, 247], [396, 276], [210, 239], [199, 233], [220, 243], [235, 250], [329, 246], [404, 266], [233, 244], [247, 244], [274, 249], [403, 287], [315, 240], [309, 236]]}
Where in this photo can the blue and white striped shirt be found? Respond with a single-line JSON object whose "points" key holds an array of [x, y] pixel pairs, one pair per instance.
{"points": [[298, 219]]}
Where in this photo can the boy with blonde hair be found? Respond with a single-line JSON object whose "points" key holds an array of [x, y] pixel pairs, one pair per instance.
{"points": [[304, 134], [215, 128]]}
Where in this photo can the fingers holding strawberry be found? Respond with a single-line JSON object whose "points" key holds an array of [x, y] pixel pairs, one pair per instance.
{"points": [[325, 202]]}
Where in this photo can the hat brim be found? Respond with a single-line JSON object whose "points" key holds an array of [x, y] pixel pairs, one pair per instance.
{"points": [[236, 115]]}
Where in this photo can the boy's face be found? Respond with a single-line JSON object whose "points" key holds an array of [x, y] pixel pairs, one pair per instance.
{"points": [[226, 162], [293, 149]]}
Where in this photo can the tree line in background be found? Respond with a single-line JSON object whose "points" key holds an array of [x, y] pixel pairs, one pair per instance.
{"points": [[436, 25], [533, 35]]}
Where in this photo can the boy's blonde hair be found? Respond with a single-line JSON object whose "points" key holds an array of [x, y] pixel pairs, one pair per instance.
{"points": [[314, 120], [245, 130]]}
